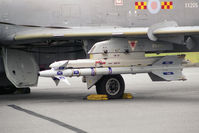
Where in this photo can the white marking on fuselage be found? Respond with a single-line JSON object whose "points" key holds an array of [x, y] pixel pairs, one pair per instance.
{"points": [[191, 5]]}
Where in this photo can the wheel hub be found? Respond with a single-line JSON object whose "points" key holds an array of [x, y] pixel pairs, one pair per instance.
{"points": [[112, 86]]}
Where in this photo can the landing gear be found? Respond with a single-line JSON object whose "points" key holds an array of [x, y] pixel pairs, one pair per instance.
{"points": [[111, 85]]}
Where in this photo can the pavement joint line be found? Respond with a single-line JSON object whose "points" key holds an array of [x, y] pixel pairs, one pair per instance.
{"points": [[77, 130]]}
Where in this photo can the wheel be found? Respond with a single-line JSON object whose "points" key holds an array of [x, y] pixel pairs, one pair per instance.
{"points": [[111, 85]]}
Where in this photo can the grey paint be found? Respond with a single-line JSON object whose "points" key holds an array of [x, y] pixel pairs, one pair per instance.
{"points": [[59, 123], [92, 13], [89, 13]]}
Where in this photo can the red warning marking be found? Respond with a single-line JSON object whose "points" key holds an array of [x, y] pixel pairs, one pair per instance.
{"points": [[100, 62], [118, 2], [133, 43], [154, 5]]}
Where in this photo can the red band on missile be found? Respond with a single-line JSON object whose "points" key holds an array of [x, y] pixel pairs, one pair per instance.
{"points": [[100, 62]]}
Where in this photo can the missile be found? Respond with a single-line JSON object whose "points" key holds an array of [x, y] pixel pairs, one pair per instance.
{"points": [[94, 71], [81, 63], [167, 73]]}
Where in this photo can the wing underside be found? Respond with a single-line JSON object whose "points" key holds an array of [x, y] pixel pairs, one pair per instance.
{"points": [[90, 32]]}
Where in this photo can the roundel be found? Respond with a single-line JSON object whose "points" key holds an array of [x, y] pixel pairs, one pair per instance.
{"points": [[154, 6]]}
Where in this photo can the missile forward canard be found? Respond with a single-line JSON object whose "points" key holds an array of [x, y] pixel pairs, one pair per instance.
{"points": [[59, 65]]}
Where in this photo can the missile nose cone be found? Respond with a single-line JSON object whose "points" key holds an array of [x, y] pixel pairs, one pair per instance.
{"points": [[44, 73], [47, 73]]}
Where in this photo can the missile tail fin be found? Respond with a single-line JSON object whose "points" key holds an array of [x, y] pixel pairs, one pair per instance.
{"points": [[62, 78], [167, 75], [170, 61], [171, 69], [56, 80]]}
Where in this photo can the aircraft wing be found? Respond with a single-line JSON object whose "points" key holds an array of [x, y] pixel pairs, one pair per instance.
{"points": [[187, 30], [81, 32], [90, 32]]}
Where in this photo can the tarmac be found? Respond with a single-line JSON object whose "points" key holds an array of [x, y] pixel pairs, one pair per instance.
{"points": [[157, 107]]}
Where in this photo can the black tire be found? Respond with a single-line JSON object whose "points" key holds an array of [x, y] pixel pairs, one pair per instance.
{"points": [[7, 90], [14, 90], [98, 87], [111, 85]]}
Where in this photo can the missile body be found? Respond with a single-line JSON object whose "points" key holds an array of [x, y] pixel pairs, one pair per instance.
{"points": [[92, 71], [101, 71]]}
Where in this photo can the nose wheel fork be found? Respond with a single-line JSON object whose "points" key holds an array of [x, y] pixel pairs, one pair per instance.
{"points": [[111, 85]]}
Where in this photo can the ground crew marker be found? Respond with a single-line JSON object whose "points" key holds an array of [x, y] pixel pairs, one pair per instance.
{"points": [[96, 97]]}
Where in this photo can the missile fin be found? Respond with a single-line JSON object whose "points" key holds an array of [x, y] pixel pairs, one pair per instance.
{"points": [[167, 75], [168, 61], [91, 80], [171, 69], [64, 79], [56, 80]]}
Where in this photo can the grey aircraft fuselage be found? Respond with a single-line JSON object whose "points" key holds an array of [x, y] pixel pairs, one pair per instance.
{"points": [[83, 13]]}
